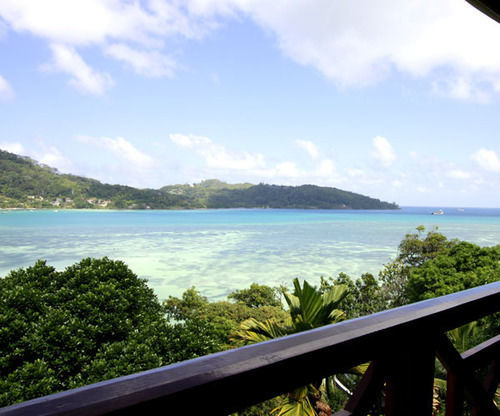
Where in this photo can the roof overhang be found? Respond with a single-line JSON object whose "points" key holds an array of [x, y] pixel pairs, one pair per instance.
{"points": [[490, 8]]}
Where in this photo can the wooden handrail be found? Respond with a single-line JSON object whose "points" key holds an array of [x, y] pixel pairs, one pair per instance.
{"points": [[403, 339]]}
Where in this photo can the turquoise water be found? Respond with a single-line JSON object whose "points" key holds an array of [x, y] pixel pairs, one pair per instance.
{"points": [[221, 250]]}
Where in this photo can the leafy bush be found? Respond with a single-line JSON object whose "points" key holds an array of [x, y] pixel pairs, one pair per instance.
{"points": [[93, 321]]}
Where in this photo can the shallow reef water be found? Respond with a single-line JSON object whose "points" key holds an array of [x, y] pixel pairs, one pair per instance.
{"points": [[219, 251]]}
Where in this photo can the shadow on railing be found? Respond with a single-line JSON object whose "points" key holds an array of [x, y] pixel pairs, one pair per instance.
{"points": [[400, 343]]}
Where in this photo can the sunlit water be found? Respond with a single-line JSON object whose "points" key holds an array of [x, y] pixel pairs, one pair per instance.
{"points": [[221, 250]]}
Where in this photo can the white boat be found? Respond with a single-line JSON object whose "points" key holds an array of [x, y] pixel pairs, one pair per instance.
{"points": [[440, 212]]}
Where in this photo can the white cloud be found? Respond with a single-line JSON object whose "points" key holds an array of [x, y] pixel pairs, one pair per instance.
{"points": [[353, 43], [44, 154], [13, 147], [462, 87], [217, 156], [422, 189], [286, 170], [360, 42], [355, 172], [121, 148], [326, 168], [6, 90], [309, 147], [252, 167], [85, 22], [84, 78], [147, 63], [458, 174], [383, 151], [110, 25], [3, 29], [52, 156], [487, 159]]}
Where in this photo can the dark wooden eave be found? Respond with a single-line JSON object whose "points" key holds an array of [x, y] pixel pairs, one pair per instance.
{"points": [[490, 8]]}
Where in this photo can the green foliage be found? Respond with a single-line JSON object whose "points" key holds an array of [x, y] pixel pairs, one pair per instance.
{"points": [[309, 308], [464, 337], [256, 296], [299, 197], [462, 266], [393, 278], [415, 250], [92, 321], [25, 183], [297, 402], [363, 296], [224, 317]]}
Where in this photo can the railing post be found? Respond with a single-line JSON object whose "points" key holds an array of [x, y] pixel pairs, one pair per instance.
{"points": [[490, 384], [410, 382], [454, 395]]}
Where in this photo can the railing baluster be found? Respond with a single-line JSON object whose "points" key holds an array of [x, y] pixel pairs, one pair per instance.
{"points": [[475, 392], [411, 381], [367, 390], [454, 395], [490, 384]]}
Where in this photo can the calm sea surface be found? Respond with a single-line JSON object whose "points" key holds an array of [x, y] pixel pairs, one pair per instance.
{"points": [[221, 250]]}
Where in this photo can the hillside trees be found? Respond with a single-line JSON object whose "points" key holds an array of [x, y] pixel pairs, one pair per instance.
{"points": [[24, 183], [224, 316]]}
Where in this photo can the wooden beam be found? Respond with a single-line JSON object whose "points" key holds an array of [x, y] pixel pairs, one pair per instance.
{"points": [[490, 8], [481, 355]]}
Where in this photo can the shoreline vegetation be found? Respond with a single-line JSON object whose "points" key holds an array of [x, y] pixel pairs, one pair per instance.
{"points": [[97, 320], [27, 184]]}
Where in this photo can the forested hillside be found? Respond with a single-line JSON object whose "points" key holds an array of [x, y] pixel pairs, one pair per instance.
{"points": [[24, 183]]}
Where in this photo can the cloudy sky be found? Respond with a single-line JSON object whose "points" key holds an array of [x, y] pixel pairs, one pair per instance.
{"points": [[399, 100]]}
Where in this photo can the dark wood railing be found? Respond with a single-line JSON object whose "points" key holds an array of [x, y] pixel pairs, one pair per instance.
{"points": [[400, 343]]}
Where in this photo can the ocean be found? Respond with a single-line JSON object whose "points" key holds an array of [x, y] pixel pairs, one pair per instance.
{"points": [[218, 251]]}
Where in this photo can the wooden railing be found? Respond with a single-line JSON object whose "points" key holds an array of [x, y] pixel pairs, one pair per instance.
{"points": [[400, 343]]}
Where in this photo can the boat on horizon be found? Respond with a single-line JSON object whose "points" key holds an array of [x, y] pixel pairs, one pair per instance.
{"points": [[440, 212]]}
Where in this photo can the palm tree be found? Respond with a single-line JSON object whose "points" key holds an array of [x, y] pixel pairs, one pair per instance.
{"points": [[309, 308]]}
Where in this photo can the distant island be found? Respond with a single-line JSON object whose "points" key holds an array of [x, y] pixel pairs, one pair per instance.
{"points": [[25, 183]]}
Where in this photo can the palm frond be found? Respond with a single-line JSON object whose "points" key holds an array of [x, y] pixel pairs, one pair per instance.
{"points": [[296, 403], [252, 331]]}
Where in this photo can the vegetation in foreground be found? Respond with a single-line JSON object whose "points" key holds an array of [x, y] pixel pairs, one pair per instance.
{"points": [[97, 320], [24, 183]]}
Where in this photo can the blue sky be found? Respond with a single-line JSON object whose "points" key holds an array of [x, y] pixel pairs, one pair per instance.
{"points": [[396, 100]]}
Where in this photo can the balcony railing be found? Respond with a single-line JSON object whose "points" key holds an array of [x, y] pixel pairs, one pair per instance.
{"points": [[401, 344]]}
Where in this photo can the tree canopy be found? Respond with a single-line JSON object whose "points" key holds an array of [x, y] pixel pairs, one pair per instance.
{"points": [[92, 321]]}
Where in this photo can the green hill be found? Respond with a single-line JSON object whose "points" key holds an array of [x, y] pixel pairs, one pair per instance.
{"points": [[24, 183]]}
